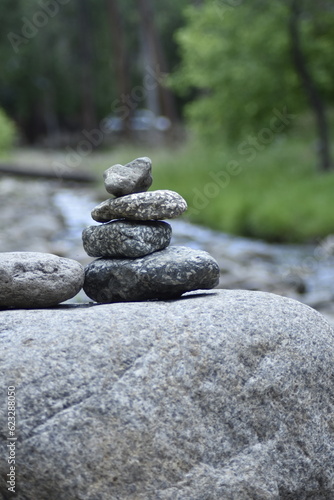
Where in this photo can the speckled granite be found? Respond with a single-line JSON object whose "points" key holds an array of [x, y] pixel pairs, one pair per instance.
{"points": [[160, 204], [126, 238], [219, 395], [162, 275], [133, 177], [35, 279]]}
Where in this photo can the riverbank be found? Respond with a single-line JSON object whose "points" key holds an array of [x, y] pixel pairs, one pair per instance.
{"points": [[277, 194], [44, 216]]}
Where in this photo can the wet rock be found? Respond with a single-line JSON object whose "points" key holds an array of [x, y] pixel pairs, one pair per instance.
{"points": [[126, 238], [33, 279], [162, 275], [160, 204], [134, 177], [217, 396]]}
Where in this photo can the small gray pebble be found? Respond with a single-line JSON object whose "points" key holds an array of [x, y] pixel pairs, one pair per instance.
{"points": [[134, 177]]}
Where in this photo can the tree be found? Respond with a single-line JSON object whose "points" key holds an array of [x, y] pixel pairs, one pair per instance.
{"points": [[308, 81], [56, 65], [160, 98], [65, 65], [241, 59], [121, 58], [86, 58]]}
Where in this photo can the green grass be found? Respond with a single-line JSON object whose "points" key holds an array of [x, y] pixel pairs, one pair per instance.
{"points": [[278, 196]]}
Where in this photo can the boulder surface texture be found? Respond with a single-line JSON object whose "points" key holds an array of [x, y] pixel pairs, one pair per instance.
{"points": [[219, 395], [35, 279]]}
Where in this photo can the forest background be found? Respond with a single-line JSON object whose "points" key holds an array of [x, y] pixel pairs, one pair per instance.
{"points": [[232, 100]]}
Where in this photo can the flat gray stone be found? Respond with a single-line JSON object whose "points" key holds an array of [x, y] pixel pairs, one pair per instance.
{"points": [[134, 177], [162, 275], [121, 238], [156, 205], [34, 279], [222, 395]]}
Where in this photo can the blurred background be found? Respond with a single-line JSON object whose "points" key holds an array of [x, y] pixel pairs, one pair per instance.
{"points": [[232, 100]]}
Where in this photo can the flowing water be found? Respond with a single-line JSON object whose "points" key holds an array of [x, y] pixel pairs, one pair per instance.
{"points": [[304, 272], [43, 216]]}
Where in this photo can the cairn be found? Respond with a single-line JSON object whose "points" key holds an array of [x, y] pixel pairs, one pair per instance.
{"points": [[135, 260]]}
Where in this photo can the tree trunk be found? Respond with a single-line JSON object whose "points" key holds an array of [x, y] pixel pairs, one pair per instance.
{"points": [[62, 174], [122, 78], [87, 66], [156, 60], [310, 88]]}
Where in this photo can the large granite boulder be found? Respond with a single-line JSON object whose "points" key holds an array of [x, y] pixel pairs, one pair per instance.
{"points": [[218, 395]]}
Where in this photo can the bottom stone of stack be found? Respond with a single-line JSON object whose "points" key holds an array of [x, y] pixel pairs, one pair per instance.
{"points": [[166, 274]]}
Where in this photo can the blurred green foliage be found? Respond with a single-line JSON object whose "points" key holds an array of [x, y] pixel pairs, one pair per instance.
{"points": [[279, 196], [7, 133], [42, 55], [256, 177], [238, 60]]}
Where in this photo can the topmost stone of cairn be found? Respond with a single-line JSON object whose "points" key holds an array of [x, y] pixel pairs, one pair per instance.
{"points": [[134, 177]]}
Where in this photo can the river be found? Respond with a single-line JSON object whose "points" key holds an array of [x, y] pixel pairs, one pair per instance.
{"points": [[43, 216]]}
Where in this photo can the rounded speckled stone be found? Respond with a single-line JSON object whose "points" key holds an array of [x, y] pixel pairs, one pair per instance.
{"points": [[152, 205], [121, 238], [34, 279], [162, 275], [134, 177]]}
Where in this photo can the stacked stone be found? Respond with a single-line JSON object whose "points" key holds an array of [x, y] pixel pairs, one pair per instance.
{"points": [[132, 242]]}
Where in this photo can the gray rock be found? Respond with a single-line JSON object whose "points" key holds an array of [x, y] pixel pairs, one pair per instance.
{"points": [[219, 395], [160, 204], [126, 238], [133, 177], [33, 279], [162, 275]]}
